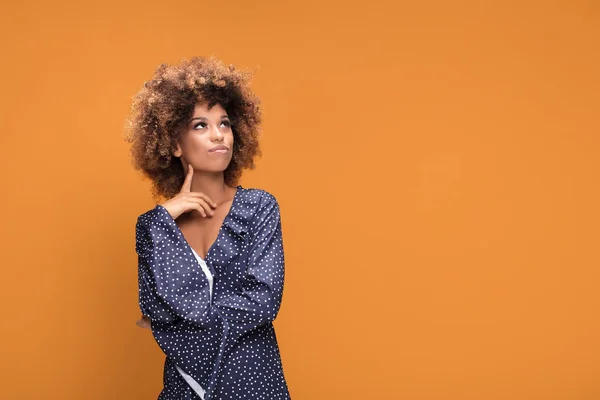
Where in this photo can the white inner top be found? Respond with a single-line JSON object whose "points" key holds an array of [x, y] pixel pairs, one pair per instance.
{"points": [[193, 384]]}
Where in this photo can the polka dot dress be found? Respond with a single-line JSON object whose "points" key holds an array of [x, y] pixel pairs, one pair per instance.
{"points": [[218, 336]]}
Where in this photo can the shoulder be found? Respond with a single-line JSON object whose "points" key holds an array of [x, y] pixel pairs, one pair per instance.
{"points": [[261, 197], [265, 209]]}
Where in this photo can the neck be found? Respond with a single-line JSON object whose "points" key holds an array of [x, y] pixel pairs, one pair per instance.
{"points": [[212, 185]]}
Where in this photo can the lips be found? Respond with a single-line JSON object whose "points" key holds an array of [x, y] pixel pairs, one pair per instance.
{"points": [[219, 147]]}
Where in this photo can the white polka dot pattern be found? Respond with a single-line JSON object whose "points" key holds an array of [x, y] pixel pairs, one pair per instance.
{"points": [[228, 344]]}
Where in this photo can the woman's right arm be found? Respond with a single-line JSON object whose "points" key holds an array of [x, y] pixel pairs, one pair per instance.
{"points": [[171, 286], [162, 283]]}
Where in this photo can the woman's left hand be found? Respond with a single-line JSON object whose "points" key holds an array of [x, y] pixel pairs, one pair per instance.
{"points": [[144, 322]]}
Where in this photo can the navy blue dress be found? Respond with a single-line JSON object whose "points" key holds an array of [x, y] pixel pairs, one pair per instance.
{"points": [[226, 342]]}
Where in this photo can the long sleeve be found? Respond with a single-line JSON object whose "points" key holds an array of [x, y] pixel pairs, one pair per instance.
{"points": [[259, 299], [171, 286]]}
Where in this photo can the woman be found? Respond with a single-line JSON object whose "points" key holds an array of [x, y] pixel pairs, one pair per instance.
{"points": [[210, 256]]}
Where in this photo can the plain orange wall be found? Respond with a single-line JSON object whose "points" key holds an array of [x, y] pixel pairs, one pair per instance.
{"points": [[437, 165]]}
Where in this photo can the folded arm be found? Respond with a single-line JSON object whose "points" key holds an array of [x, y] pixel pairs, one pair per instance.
{"points": [[172, 286]]}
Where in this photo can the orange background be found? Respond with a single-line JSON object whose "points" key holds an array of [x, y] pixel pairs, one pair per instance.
{"points": [[437, 166]]}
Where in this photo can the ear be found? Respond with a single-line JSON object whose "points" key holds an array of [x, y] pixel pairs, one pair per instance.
{"points": [[178, 152]]}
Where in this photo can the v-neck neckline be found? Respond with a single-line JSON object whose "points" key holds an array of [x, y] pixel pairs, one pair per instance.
{"points": [[238, 189]]}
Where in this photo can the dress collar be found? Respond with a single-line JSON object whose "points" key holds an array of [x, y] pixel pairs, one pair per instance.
{"points": [[237, 220]]}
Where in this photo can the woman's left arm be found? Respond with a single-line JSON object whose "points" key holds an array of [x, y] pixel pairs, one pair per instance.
{"points": [[258, 301]]}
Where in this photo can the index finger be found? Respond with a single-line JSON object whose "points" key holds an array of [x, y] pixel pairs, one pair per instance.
{"points": [[187, 183]]}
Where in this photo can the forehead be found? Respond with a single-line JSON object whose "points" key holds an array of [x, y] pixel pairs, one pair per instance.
{"points": [[201, 110]]}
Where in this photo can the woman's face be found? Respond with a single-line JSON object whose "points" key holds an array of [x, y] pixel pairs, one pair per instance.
{"points": [[204, 134]]}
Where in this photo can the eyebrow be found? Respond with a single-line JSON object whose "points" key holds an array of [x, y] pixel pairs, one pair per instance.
{"points": [[204, 118]]}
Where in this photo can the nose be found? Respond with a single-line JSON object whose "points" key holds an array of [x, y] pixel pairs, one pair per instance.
{"points": [[217, 134]]}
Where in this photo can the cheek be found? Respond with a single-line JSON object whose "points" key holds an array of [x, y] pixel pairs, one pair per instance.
{"points": [[193, 148]]}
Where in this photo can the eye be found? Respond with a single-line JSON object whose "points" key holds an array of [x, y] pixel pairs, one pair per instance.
{"points": [[227, 123], [198, 124]]}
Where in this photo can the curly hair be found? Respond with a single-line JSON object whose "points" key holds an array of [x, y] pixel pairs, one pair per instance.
{"points": [[162, 107]]}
